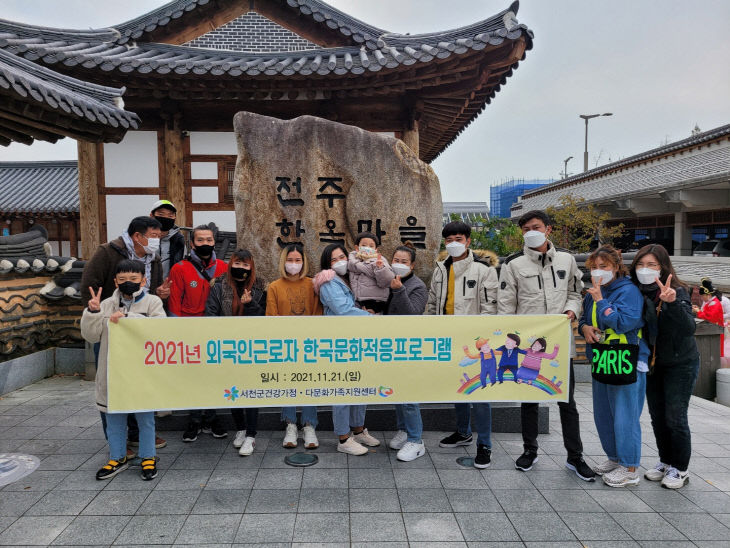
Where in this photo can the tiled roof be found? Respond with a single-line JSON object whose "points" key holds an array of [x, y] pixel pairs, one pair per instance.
{"points": [[79, 107], [39, 187], [658, 152]]}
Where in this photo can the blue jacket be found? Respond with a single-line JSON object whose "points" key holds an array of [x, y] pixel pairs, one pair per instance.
{"points": [[625, 304], [510, 359], [337, 299]]}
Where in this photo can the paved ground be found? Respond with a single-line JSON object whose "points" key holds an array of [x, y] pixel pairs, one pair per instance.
{"points": [[206, 493]]}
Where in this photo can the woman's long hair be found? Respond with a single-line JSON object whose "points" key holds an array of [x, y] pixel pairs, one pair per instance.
{"points": [[240, 255], [325, 262], [299, 248], [665, 263]]}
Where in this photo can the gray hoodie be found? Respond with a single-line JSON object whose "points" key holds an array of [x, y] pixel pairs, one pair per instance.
{"points": [[410, 299]]}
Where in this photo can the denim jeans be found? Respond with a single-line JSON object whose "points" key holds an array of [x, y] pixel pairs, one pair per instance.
{"points": [[246, 419], [616, 411], [408, 419], [116, 429], [309, 415], [668, 390], [482, 421], [346, 416]]}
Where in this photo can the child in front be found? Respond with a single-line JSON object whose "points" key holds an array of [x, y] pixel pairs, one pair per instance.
{"points": [[370, 274], [129, 300]]}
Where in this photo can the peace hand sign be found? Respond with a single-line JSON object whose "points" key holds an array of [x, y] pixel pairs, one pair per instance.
{"points": [[94, 304], [246, 297], [163, 292], [666, 293], [595, 291]]}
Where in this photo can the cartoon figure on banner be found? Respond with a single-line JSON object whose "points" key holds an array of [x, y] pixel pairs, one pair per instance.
{"points": [[510, 354], [488, 361], [530, 368]]}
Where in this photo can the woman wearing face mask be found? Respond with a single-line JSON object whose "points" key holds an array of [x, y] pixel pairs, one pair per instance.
{"points": [[408, 296], [674, 361], [333, 286], [293, 295], [239, 293], [613, 313]]}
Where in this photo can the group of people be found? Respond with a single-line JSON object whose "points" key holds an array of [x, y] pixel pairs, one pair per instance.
{"points": [[146, 273]]}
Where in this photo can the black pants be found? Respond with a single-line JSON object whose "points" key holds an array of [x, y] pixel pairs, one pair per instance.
{"points": [[569, 421], [202, 416], [668, 390], [247, 423]]}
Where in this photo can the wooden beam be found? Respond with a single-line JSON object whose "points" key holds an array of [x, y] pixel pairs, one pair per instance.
{"points": [[89, 162], [173, 156], [73, 237], [410, 137]]}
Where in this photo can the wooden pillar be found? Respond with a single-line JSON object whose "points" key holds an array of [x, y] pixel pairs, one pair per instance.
{"points": [[91, 157], [172, 155], [73, 237], [410, 136]]}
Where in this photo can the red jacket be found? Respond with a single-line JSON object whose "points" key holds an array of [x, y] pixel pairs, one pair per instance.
{"points": [[712, 312], [189, 289]]}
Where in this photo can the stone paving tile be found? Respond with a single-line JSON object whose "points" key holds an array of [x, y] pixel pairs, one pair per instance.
{"points": [[143, 530], [105, 503], [34, 530], [617, 500], [330, 527], [269, 501], [513, 500], [62, 503], [324, 500], [698, 526], [169, 502], [424, 500], [315, 478], [266, 528], [423, 478], [374, 500], [571, 500], [176, 480], [432, 527], [486, 527], [90, 530], [593, 526], [232, 479], [462, 479], [290, 478], [540, 526], [221, 501], [508, 479], [199, 529], [647, 527], [16, 504], [38, 481], [473, 500], [372, 478]]}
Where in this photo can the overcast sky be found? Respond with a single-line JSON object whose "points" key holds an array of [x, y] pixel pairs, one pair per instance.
{"points": [[660, 66]]}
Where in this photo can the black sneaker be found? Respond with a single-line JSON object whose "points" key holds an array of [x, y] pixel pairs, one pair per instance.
{"points": [[526, 460], [483, 458], [112, 468], [191, 434], [149, 469], [455, 440], [581, 469], [217, 430]]}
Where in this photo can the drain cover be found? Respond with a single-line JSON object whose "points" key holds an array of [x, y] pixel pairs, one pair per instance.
{"points": [[301, 459], [14, 466], [465, 461]]}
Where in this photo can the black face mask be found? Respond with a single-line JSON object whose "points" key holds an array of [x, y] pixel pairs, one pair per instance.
{"points": [[166, 223], [240, 273], [204, 251], [128, 288]]}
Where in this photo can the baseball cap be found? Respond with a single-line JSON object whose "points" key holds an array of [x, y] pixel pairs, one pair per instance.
{"points": [[163, 203]]}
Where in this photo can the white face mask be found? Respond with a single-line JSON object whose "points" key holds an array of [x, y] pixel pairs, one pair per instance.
{"points": [[647, 276], [401, 269], [153, 246], [455, 249], [340, 267], [534, 238], [605, 275], [293, 268]]}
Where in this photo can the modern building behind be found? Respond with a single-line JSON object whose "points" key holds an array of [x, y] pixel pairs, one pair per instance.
{"points": [[504, 195], [677, 195], [472, 213]]}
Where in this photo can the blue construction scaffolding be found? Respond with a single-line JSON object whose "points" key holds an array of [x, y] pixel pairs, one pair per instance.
{"points": [[504, 195]]}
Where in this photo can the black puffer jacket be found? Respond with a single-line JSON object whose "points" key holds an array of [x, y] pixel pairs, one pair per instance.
{"points": [[674, 328]]}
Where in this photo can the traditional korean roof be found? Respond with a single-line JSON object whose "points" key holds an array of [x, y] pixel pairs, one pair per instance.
{"points": [[38, 103], [448, 77], [39, 187]]}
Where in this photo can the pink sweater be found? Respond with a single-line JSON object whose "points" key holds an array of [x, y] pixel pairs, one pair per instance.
{"points": [[532, 360]]}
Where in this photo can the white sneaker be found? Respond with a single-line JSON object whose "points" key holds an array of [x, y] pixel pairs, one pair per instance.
{"points": [[248, 446], [238, 440], [365, 438], [621, 477], [290, 438], [399, 440], [351, 447], [656, 473], [674, 479], [411, 451], [606, 467], [310, 438]]}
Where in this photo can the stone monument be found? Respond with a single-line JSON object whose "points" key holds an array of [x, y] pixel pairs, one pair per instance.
{"points": [[316, 182]]}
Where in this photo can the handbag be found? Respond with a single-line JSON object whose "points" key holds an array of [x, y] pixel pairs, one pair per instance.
{"points": [[614, 360]]}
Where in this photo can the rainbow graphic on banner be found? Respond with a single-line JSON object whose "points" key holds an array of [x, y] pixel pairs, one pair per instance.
{"points": [[552, 387]]}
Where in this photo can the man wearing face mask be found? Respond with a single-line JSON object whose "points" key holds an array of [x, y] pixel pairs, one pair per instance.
{"points": [[541, 279], [190, 278], [172, 242], [462, 285]]}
